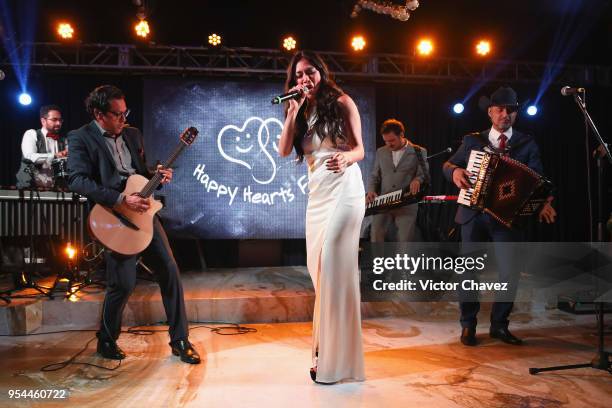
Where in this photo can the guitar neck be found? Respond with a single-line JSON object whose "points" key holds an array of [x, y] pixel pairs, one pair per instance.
{"points": [[156, 179]]}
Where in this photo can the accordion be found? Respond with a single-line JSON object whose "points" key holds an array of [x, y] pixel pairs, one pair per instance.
{"points": [[503, 187]]}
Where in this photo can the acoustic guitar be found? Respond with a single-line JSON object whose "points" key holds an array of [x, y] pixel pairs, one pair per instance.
{"points": [[126, 231]]}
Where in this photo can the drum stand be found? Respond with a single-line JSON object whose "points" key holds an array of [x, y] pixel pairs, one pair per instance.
{"points": [[601, 361]]}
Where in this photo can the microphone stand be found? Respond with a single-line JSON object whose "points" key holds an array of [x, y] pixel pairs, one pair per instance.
{"points": [[601, 361], [426, 216], [580, 102]]}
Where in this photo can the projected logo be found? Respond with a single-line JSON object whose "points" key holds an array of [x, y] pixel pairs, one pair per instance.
{"points": [[254, 146]]}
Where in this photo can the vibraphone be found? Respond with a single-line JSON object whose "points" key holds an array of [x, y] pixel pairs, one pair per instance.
{"points": [[42, 213]]}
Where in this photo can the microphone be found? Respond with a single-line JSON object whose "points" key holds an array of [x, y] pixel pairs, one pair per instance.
{"points": [[447, 150], [290, 95], [567, 91]]}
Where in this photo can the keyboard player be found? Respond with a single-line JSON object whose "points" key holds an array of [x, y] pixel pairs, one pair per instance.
{"points": [[502, 108], [399, 164]]}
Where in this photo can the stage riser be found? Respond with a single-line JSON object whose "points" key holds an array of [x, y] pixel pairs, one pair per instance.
{"points": [[244, 295]]}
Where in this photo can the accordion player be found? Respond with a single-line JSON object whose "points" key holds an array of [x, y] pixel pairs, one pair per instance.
{"points": [[500, 170], [516, 171]]}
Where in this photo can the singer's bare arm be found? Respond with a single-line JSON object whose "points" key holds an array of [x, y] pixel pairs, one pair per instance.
{"points": [[285, 144], [352, 121]]}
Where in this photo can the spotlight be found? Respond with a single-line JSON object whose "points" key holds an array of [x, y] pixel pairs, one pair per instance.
{"points": [[142, 29], [483, 48], [214, 39], [425, 47], [65, 31], [532, 110], [289, 43], [70, 251], [458, 108], [358, 43], [25, 99]]}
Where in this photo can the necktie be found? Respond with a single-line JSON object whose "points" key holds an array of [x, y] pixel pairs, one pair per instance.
{"points": [[53, 136], [502, 142]]}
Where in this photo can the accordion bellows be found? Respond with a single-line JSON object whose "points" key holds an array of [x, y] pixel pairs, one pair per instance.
{"points": [[503, 187]]}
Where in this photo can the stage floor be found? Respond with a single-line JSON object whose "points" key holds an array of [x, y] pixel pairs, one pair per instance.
{"points": [[410, 362]]}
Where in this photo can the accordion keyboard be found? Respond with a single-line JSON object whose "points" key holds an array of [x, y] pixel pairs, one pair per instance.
{"points": [[473, 168]]}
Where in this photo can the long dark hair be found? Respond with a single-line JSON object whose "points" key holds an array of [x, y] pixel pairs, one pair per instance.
{"points": [[330, 121]]}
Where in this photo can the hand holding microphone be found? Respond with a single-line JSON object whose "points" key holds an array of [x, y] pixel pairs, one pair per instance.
{"points": [[297, 92]]}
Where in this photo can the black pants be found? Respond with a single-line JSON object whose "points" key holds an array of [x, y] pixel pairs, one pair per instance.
{"points": [[483, 228], [121, 280]]}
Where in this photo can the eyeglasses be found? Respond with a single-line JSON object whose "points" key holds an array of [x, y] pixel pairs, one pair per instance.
{"points": [[308, 71], [121, 114], [60, 120]]}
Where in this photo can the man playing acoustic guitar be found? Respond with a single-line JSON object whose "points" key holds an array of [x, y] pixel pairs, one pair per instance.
{"points": [[103, 154]]}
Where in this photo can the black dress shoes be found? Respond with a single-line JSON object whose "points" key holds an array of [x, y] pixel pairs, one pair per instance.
{"points": [[110, 350], [504, 335], [185, 350], [468, 336]]}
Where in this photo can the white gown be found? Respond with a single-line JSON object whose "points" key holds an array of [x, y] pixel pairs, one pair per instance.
{"points": [[336, 206]]}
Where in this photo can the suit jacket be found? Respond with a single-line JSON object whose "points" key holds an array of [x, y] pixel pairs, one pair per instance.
{"points": [[522, 148], [385, 177], [91, 168]]}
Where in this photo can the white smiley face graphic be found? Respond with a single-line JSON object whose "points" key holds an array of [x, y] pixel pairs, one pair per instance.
{"points": [[242, 149], [241, 141]]}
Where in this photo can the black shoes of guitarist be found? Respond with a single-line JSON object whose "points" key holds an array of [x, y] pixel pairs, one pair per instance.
{"points": [[468, 336], [181, 348], [185, 350], [110, 350]]}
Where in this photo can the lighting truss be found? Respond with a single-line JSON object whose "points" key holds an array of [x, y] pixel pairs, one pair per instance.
{"points": [[263, 63]]}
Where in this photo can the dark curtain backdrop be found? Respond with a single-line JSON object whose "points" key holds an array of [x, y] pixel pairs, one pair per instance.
{"points": [[424, 109]]}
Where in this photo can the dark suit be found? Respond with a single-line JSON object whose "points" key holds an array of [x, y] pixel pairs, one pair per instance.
{"points": [[94, 174], [477, 226]]}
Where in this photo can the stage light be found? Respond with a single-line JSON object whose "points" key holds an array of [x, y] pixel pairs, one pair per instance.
{"points": [[142, 29], [458, 108], [214, 39], [25, 99], [532, 110], [425, 47], [65, 31], [70, 251], [358, 43], [483, 48], [289, 43]]}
